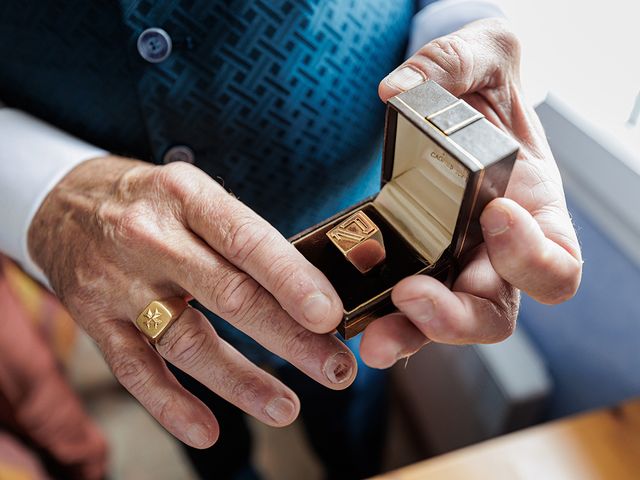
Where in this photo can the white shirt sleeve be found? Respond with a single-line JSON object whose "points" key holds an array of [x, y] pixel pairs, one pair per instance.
{"points": [[34, 157], [446, 16]]}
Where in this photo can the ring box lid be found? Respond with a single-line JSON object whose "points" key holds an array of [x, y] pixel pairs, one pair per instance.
{"points": [[443, 161]]}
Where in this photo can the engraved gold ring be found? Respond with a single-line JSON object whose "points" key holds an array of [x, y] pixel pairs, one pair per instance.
{"points": [[158, 316], [360, 241]]}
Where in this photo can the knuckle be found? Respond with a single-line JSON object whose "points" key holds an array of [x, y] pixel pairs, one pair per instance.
{"points": [[183, 185], [135, 225], [453, 55], [186, 346], [214, 210], [247, 389], [175, 179], [164, 413], [236, 294], [131, 371], [177, 184], [283, 275], [242, 238], [162, 407], [297, 342]]}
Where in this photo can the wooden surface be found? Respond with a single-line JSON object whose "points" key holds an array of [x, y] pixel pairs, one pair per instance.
{"points": [[604, 444]]}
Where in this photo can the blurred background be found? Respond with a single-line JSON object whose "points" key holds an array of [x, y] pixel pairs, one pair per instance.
{"points": [[582, 71]]}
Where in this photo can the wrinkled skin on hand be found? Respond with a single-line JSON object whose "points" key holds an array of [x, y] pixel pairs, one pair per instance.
{"points": [[529, 241], [117, 233]]}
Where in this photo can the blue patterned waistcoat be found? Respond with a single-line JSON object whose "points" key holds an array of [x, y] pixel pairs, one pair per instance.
{"points": [[277, 98]]}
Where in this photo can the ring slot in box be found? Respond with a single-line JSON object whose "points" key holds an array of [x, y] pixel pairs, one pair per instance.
{"points": [[442, 163]]}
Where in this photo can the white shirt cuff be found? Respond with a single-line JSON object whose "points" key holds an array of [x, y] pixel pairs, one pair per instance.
{"points": [[446, 16], [34, 157]]}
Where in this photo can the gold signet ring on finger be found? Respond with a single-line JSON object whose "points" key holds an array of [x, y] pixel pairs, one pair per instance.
{"points": [[158, 316]]}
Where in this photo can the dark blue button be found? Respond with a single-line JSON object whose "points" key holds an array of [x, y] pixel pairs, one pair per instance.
{"points": [[179, 153], [154, 45]]}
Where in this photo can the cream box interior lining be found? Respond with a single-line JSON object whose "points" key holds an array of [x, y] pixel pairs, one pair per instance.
{"points": [[422, 201]]}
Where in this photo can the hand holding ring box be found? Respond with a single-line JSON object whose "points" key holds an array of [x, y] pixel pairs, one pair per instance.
{"points": [[443, 162]]}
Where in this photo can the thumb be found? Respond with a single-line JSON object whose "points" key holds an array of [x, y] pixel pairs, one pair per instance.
{"points": [[482, 54]]}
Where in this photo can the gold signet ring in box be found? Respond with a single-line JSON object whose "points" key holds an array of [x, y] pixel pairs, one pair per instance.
{"points": [[360, 241], [158, 316]]}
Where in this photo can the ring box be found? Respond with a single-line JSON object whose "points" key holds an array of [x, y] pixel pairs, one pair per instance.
{"points": [[442, 163]]}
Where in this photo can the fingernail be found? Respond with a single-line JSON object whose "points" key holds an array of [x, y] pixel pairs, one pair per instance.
{"points": [[198, 435], [495, 221], [420, 310], [280, 410], [317, 308], [405, 78], [339, 367]]}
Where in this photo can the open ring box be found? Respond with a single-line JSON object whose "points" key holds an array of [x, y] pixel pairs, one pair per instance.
{"points": [[442, 163]]}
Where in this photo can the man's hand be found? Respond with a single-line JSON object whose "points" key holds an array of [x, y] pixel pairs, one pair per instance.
{"points": [[115, 234], [529, 241]]}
